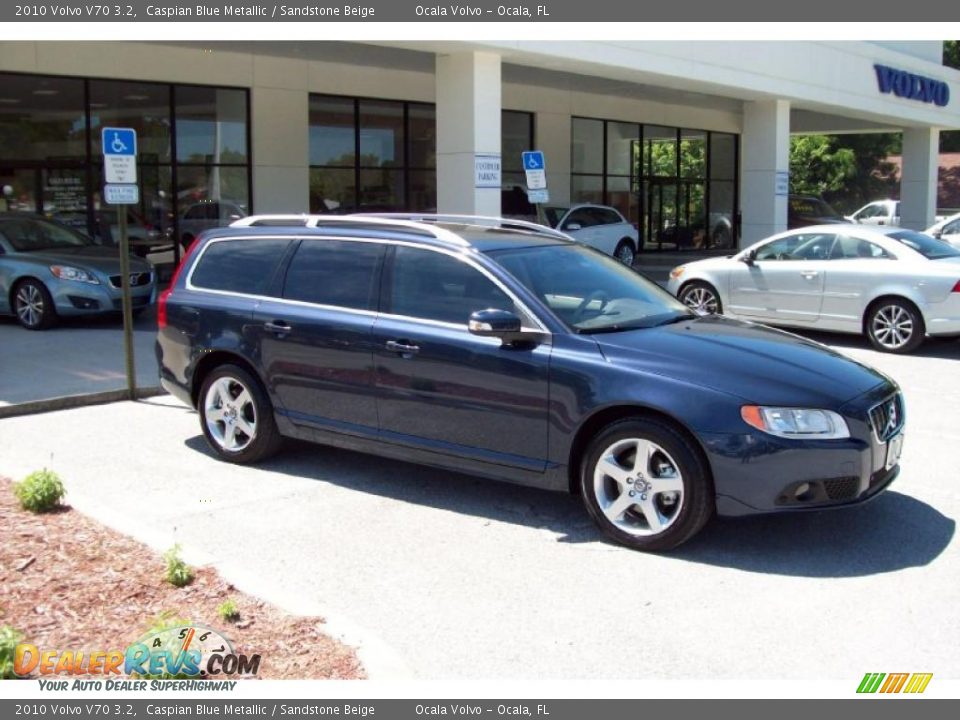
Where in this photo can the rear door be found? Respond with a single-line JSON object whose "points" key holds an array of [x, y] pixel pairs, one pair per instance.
{"points": [[856, 267], [786, 280], [443, 389], [315, 339]]}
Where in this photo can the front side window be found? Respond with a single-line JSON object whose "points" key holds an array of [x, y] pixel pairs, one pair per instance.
{"points": [[806, 246], [334, 272], [433, 286], [581, 217], [588, 291], [240, 266]]}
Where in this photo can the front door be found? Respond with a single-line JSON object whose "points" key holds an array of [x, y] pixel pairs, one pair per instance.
{"points": [[785, 281], [444, 390]]}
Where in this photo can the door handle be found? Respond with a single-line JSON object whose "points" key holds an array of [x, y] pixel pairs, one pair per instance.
{"points": [[809, 274], [277, 326], [402, 348]]}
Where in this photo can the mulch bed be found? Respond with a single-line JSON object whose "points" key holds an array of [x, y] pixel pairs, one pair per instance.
{"points": [[67, 582]]}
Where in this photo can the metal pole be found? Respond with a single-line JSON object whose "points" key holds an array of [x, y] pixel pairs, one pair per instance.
{"points": [[127, 302]]}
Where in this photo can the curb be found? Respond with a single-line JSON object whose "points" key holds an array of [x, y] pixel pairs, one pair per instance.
{"points": [[67, 402]]}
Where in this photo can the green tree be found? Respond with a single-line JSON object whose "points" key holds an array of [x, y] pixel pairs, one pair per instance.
{"points": [[817, 167]]}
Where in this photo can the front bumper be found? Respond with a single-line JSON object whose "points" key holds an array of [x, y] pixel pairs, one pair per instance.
{"points": [[75, 298], [759, 473]]}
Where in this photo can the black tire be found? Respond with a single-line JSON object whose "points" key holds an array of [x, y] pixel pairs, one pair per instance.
{"points": [[702, 297], [894, 326], [265, 440], [684, 517], [626, 252], [33, 305]]}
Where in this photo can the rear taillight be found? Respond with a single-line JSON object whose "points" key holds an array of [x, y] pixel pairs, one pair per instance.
{"points": [[956, 288], [165, 295]]}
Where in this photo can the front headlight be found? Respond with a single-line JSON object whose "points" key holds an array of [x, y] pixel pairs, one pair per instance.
{"points": [[65, 272], [677, 272], [796, 423]]}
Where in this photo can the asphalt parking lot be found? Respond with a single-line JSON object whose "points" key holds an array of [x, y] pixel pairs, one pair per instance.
{"points": [[464, 578]]}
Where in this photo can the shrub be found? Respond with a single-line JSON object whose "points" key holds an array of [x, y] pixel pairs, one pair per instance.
{"points": [[40, 491], [8, 645], [178, 572], [227, 610]]}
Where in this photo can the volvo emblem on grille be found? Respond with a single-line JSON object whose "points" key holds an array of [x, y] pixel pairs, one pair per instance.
{"points": [[892, 418]]}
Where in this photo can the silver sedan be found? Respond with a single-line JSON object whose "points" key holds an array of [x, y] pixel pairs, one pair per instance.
{"points": [[895, 286]]}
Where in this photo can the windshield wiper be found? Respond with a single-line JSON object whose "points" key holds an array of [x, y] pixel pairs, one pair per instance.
{"points": [[674, 319]]}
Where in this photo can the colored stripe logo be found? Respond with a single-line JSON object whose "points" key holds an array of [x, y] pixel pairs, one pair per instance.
{"points": [[913, 683]]}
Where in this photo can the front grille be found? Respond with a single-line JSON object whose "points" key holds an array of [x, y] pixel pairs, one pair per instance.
{"points": [[136, 280], [841, 488], [887, 418]]}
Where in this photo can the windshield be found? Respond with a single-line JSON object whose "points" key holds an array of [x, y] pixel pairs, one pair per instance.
{"points": [[928, 246], [33, 234], [591, 292]]}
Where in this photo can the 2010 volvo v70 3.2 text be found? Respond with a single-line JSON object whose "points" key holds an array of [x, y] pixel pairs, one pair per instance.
{"points": [[504, 349]]}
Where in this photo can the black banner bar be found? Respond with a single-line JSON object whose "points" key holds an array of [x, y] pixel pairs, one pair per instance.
{"points": [[479, 11]]}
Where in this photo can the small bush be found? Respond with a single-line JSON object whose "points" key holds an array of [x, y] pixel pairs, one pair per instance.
{"points": [[227, 610], [40, 491], [9, 638], [178, 572]]}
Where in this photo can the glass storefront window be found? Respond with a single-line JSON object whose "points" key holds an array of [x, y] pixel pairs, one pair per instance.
{"points": [[422, 131], [332, 131], [622, 194], [586, 189], [587, 147], [211, 125], [660, 151], [41, 119], [332, 189], [145, 107], [380, 190], [723, 156], [516, 136], [197, 184], [381, 134], [423, 190], [693, 154], [622, 141]]}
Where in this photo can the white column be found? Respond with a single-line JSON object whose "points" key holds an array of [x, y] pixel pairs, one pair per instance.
{"points": [[553, 137], [765, 153], [918, 183], [468, 125]]}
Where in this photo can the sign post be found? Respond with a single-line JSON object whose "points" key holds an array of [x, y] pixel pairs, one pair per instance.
{"points": [[535, 168], [120, 175]]}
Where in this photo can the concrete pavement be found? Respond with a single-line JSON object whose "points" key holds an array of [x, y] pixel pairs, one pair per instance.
{"points": [[464, 578]]}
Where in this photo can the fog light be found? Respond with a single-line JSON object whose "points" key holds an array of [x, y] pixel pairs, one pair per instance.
{"points": [[804, 492]]}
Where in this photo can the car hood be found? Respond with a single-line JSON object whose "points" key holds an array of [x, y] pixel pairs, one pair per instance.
{"points": [[754, 362], [91, 257]]}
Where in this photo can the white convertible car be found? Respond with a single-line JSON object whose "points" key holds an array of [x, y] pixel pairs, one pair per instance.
{"points": [[895, 286]]}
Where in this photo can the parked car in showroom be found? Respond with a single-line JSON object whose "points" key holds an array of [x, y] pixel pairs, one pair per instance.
{"points": [[144, 238], [806, 210], [947, 230], [598, 226], [49, 270], [504, 349], [895, 286], [204, 215]]}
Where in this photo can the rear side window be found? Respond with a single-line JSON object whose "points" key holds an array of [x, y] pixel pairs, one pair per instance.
{"points": [[241, 266], [604, 216], [335, 272]]}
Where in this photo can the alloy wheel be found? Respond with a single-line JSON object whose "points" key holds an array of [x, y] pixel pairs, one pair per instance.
{"points": [[892, 326], [638, 487], [30, 305], [701, 300], [230, 414], [625, 253]]}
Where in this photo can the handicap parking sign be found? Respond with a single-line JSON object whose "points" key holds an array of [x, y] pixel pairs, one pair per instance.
{"points": [[533, 160], [119, 141], [119, 155]]}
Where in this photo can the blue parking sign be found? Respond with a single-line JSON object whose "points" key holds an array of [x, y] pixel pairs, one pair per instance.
{"points": [[533, 160], [119, 141]]}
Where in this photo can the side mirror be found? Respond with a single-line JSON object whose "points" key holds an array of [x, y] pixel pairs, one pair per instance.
{"points": [[572, 226], [749, 258], [493, 323], [938, 234]]}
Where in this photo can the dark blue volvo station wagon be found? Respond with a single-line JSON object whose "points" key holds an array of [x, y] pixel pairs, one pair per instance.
{"points": [[506, 350]]}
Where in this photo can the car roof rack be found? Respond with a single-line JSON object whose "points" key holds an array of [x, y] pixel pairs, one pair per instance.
{"points": [[332, 221], [482, 220]]}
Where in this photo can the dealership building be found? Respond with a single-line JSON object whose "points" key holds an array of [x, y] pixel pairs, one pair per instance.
{"points": [[689, 140]]}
